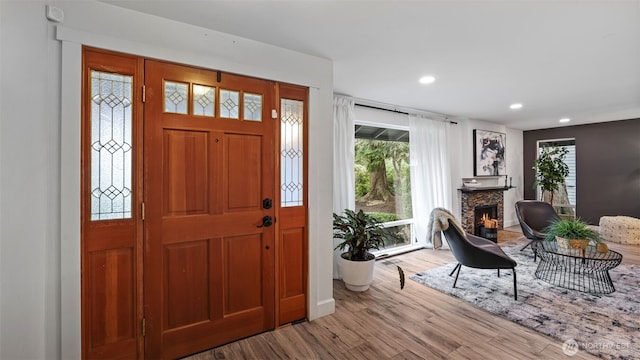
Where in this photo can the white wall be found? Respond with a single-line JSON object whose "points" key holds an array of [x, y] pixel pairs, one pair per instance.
{"points": [[39, 154], [29, 185]]}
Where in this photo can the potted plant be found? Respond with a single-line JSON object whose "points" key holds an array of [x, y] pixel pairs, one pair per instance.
{"points": [[360, 233], [574, 234], [550, 170]]}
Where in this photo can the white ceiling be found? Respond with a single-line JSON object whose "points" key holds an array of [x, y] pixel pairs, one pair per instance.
{"points": [[578, 59]]}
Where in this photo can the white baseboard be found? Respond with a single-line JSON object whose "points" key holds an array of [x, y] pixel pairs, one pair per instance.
{"points": [[323, 308]]}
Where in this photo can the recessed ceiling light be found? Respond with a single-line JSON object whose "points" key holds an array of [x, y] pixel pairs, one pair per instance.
{"points": [[564, 120], [427, 79], [515, 106]]}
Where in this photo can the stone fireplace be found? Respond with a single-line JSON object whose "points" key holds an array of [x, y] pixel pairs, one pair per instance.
{"points": [[477, 201]]}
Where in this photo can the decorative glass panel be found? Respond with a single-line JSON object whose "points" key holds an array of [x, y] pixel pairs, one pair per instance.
{"points": [[291, 152], [203, 100], [229, 104], [252, 107], [175, 97], [111, 145]]}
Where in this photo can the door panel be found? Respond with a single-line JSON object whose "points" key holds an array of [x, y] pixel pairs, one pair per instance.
{"points": [[187, 283], [292, 269], [242, 161], [112, 287], [293, 249], [209, 265], [243, 280], [186, 172]]}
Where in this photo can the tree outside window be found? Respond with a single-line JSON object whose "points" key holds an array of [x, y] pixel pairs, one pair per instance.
{"points": [[382, 174]]}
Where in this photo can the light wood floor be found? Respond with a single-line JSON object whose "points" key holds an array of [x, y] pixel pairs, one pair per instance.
{"points": [[415, 323]]}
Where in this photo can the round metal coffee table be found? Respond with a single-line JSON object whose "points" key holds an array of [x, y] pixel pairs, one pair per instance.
{"points": [[586, 271]]}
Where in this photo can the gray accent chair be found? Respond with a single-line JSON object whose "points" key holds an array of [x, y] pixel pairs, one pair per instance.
{"points": [[476, 252], [534, 217]]}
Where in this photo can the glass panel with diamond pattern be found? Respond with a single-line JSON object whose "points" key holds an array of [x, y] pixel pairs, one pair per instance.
{"points": [[252, 107], [204, 100], [111, 146], [229, 104], [176, 97], [291, 152]]}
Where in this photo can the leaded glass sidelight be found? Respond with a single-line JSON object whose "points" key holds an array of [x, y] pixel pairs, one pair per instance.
{"points": [[203, 100], [291, 152], [111, 146], [229, 104], [175, 97], [252, 107]]}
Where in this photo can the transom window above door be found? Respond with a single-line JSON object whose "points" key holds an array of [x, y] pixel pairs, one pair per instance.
{"points": [[200, 100]]}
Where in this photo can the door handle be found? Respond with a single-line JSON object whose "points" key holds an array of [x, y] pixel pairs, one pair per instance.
{"points": [[266, 221]]}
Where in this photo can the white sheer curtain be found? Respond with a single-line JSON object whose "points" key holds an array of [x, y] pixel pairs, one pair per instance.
{"points": [[430, 170], [343, 160]]}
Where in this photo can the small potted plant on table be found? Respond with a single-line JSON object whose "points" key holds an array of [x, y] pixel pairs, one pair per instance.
{"points": [[574, 234], [360, 233]]}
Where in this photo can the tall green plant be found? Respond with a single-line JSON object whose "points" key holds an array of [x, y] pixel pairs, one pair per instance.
{"points": [[360, 233], [550, 169]]}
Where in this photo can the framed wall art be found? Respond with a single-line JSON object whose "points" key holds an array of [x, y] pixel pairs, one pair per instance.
{"points": [[489, 150]]}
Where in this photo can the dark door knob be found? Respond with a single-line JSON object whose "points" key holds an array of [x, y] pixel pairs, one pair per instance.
{"points": [[266, 221]]}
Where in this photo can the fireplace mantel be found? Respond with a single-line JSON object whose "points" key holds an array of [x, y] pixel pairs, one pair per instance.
{"points": [[466, 189]]}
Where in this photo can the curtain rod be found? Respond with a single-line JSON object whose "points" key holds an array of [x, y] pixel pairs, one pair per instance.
{"points": [[395, 111]]}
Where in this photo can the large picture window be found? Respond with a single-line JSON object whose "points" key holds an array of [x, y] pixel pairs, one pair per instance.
{"points": [[382, 176]]}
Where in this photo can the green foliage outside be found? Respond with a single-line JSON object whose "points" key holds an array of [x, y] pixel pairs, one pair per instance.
{"points": [[362, 181], [382, 174], [384, 217], [406, 192]]}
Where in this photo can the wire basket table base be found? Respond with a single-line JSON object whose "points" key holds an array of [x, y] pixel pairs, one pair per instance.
{"points": [[582, 270]]}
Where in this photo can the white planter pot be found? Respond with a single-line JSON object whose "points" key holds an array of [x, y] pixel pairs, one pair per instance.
{"points": [[357, 275]]}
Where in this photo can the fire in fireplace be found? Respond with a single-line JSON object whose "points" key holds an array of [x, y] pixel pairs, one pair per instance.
{"points": [[486, 222]]}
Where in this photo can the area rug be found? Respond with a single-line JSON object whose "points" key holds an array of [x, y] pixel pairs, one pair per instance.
{"points": [[607, 326]]}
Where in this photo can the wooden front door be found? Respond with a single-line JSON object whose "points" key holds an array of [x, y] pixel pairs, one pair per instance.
{"points": [[209, 173]]}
